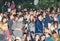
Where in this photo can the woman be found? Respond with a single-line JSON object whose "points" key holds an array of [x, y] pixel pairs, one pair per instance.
{"points": [[37, 37], [31, 26], [3, 36], [5, 28]]}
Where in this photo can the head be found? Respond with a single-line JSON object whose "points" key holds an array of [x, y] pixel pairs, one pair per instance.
{"points": [[26, 13], [37, 37], [13, 2], [31, 18], [19, 13], [55, 24], [5, 2], [8, 4], [25, 9], [31, 12], [47, 30], [43, 37], [24, 35], [48, 9], [11, 16], [52, 14], [35, 13], [21, 18], [40, 17], [47, 35], [44, 13], [4, 20], [54, 34], [28, 38], [56, 15], [16, 18], [17, 39]]}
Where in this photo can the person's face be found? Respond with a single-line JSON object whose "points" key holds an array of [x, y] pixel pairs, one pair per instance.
{"points": [[4, 20], [28, 38], [11, 17], [16, 18], [34, 13], [20, 19], [31, 18], [55, 35], [56, 15], [44, 13], [12, 1], [47, 35], [25, 9], [38, 12], [20, 13], [52, 15], [48, 9], [2, 14], [24, 36], [31, 12], [26, 13], [6, 2], [43, 37], [40, 18], [37, 37]]}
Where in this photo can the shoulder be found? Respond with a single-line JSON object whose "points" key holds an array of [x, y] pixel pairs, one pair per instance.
{"points": [[37, 21]]}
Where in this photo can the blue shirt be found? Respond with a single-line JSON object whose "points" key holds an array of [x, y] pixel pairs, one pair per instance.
{"points": [[38, 26], [48, 39]]}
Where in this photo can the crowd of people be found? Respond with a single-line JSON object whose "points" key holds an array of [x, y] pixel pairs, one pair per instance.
{"points": [[27, 24]]}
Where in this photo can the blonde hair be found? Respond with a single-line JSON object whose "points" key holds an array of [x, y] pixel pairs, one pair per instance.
{"points": [[1, 25]]}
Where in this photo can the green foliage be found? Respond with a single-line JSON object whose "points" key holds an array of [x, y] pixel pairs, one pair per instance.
{"points": [[27, 5], [47, 3]]}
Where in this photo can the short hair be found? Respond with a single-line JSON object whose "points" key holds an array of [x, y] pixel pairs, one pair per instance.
{"points": [[39, 15], [54, 32], [20, 16]]}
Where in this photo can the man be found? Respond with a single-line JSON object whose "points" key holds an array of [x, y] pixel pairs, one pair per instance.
{"points": [[17, 27], [5, 7], [39, 25], [10, 22]]}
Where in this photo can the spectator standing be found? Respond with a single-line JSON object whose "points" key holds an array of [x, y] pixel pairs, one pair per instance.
{"points": [[12, 5], [17, 27], [39, 25], [5, 7]]}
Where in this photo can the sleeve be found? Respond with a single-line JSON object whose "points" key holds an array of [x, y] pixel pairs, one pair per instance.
{"points": [[38, 26]]}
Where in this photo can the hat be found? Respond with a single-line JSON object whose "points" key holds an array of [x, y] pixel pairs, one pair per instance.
{"points": [[18, 38]]}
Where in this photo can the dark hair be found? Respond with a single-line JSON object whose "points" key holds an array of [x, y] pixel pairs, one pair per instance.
{"points": [[4, 18], [20, 16], [54, 32], [55, 23], [39, 15]]}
